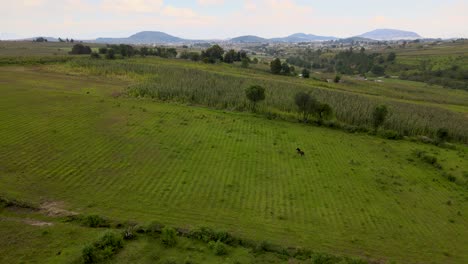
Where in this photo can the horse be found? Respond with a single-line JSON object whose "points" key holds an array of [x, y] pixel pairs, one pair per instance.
{"points": [[300, 152]]}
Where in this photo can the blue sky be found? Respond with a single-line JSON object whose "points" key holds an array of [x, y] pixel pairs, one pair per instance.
{"points": [[201, 19]]}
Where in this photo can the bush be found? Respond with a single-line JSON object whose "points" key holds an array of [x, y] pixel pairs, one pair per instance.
{"points": [[155, 228], [442, 135], [263, 246], [218, 247], [450, 177], [207, 234], [89, 254], [320, 258], [95, 221], [427, 158], [110, 54], [95, 55], [80, 49], [110, 240], [168, 236], [390, 134], [104, 248]]}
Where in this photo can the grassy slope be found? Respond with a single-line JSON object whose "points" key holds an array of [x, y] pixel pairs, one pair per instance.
{"points": [[28, 48], [222, 86], [136, 159], [22, 242]]}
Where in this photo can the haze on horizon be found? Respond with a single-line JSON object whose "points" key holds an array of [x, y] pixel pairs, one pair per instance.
{"points": [[217, 19]]}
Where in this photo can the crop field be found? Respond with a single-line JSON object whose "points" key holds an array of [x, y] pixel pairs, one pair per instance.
{"points": [[415, 109], [80, 141]]}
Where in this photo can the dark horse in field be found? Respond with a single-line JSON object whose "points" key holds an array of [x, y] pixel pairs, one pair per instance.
{"points": [[300, 152]]}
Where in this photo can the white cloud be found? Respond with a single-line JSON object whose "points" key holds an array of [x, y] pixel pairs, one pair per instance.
{"points": [[210, 2], [129, 6], [267, 18]]}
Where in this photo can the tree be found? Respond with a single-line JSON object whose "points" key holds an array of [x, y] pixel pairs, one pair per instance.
{"points": [[255, 94], [40, 39], [337, 79], [245, 63], [275, 66], [95, 55], [110, 55], [213, 54], [103, 50], [324, 112], [255, 61], [144, 51], [306, 104], [61, 40], [80, 49], [378, 70], [305, 73], [285, 68], [391, 56], [230, 56], [379, 115]]}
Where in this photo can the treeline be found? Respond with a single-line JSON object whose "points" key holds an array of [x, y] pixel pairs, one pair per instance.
{"points": [[214, 54], [453, 77], [344, 62]]}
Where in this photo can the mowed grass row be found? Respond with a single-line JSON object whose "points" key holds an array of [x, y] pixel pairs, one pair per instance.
{"points": [[184, 82], [187, 166]]}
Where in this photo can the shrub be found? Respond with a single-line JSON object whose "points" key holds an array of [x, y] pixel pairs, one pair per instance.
{"points": [[450, 177], [263, 246], [110, 54], [95, 55], [442, 134], [129, 233], [95, 221], [110, 240], [218, 247], [104, 248], [154, 228], [89, 254], [168, 236], [320, 258], [427, 158], [390, 134]]}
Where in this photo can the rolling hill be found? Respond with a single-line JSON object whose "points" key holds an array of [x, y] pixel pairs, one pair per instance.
{"points": [[390, 34], [302, 37], [145, 37]]}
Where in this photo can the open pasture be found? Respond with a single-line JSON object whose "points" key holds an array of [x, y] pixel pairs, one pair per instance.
{"points": [[73, 139]]}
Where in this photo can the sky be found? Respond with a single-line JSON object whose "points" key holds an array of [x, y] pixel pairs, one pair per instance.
{"points": [[220, 19]]}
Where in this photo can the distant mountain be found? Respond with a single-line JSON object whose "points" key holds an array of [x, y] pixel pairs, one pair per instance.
{"points": [[145, 37], [355, 39], [302, 37], [390, 34], [248, 39], [49, 39], [295, 38]]}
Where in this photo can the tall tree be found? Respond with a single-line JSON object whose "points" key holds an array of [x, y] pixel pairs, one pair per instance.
{"points": [[275, 66], [378, 116], [255, 94], [306, 104], [285, 68]]}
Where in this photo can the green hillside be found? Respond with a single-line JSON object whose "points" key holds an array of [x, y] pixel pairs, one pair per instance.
{"points": [[81, 141]]}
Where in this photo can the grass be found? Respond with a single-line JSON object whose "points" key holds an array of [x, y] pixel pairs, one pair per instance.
{"points": [[29, 48], [413, 110], [140, 160]]}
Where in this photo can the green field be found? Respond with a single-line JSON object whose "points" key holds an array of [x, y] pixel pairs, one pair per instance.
{"points": [[80, 141]]}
